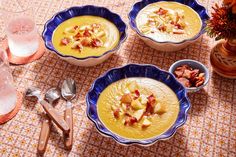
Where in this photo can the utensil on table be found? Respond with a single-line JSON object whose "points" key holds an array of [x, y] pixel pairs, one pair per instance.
{"points": [[51, 96], [51, 112], [68, 92]]}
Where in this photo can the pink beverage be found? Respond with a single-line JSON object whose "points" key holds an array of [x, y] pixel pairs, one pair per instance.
{"points": [[23, 39], [8, 94]]}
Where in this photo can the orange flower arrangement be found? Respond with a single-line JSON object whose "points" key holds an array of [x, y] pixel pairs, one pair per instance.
{"points": [[222, 24]]}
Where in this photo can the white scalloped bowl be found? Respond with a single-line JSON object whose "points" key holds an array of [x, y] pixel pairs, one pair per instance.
{"points": [[167, 45]]}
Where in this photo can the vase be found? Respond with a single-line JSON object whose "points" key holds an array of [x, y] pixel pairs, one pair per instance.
{"points": [[223, 58]]}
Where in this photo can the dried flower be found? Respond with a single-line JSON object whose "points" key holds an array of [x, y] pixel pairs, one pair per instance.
{"points": [[222, 24]]}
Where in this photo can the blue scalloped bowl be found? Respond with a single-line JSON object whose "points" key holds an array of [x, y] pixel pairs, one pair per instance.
{"points": [[64, 15], [168, 45], [136, 70]]}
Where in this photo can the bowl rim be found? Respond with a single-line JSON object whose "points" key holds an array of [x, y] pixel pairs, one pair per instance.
{"points": [[142, 142], [202, 30], [121, 41], [207, 73]]}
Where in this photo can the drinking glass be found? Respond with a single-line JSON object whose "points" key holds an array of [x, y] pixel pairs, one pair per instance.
{"points": [[21, 31], [8, 93]]}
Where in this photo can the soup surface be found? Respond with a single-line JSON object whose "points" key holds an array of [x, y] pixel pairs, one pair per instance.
{"points": [[168, 21], [138, 108], [85, 36]]}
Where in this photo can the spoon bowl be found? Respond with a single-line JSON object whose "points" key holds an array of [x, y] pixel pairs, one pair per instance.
{"points": [[52, 95], [68, 89], [33, 92]]}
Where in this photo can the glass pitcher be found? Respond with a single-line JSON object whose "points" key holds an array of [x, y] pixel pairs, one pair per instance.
{"points": [[8, 93]]}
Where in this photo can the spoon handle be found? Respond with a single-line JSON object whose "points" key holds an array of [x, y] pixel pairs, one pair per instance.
{"points": [[44, 135], [56, 118], [68, 139]]}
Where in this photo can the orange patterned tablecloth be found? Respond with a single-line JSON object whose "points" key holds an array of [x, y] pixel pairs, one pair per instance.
{"points": [[210, 129]]}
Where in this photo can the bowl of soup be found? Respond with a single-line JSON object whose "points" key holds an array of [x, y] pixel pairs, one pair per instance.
{"points": [[137, 104], [168, 25], [84, 35]]}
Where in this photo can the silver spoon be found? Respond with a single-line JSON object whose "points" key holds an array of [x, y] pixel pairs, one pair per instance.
{"points": [[68, 92], [51, 112], [51, 96]]}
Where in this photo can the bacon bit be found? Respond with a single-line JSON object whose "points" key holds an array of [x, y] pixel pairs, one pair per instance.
{"points": [[150, 104], [96, 43], [195, 72], [178, 26], [187, 74], [200, 79], [194, 75], [137, 93], [184, 82], [128, 106], [78, 35], [200, 82], [172, 22], [201, 75], [86, 33], [130, 120], [116, 113], [65, 41], [161, 11], [151, 100], [178, 73], [128, 114], [149, 110], [76, 27], [136, 96], [133, 120], [182, 68], [162, 28], [126, 121]]}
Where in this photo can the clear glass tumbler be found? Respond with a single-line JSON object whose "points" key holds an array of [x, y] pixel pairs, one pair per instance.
{"points": [[21, 31], [8, 93]]}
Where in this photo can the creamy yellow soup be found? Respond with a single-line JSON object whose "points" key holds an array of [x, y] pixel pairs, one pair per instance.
{"points": [[158, 122], [69, 37], [168, 21]]}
